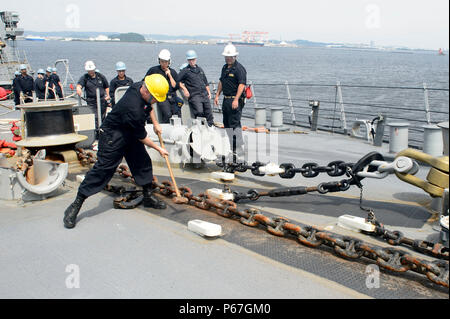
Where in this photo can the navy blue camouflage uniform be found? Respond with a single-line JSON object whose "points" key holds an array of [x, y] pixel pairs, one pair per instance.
{"points": [[119, 137], [195, 80]]}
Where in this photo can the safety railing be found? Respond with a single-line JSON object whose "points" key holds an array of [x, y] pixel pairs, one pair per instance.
{"points": [[342, 105]]}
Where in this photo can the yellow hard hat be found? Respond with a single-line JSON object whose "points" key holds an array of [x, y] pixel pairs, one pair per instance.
{"points": [[158, 86]]}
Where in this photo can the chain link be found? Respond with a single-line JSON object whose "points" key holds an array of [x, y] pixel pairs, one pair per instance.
{"points": [[397, 238], [390, 259], [308, 170], [347, 247], [323, 188]]}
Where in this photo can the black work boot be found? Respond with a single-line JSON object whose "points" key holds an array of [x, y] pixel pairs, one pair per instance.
{"points": [[151, 201], [71, 213]]}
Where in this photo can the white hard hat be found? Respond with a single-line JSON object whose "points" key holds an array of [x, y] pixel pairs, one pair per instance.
{"points": [[120, 66], [89, 66], [230, 50], [164, 55]]}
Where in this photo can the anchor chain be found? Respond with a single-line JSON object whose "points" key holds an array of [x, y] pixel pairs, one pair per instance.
{"points": [[308, 170], [347, 247], [86, 157], [323, 188], [397, 238]]}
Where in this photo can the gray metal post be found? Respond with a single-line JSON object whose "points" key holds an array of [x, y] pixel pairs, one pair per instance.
{"points": [[399, 137], [277, 116], [99, 108], [315, 105], [427, 103], [55, 93], [277, 119], [444, 127], [260, 111], [254, 94], [432, 140], [341, 103], [379, 133], [212, 96], [46, 91], [291, 105], [260, 116]]}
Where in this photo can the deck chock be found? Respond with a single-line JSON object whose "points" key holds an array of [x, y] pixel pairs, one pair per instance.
{"points": [[272, 169], [222, 176], [48, 176], [355, 224], [204, 228], [389, 258], [220, 194]]}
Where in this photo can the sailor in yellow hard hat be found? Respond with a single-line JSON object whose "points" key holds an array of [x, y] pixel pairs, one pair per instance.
{"points": [[121, 135]]}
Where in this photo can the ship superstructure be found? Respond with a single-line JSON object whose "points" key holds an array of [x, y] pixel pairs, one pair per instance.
{"points": [[10, 58]]}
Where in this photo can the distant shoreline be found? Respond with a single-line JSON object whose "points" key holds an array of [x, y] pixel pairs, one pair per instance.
{"points": [[343, 48], [213, 40]]}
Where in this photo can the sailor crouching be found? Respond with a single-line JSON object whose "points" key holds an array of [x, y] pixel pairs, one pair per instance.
{"points": [[123, 134]]}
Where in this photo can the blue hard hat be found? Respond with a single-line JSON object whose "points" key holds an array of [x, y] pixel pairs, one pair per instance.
{"points": [[49, 69], [179, 101], [54, 70], [120, 66], [41, 71], [23, 67], [184, 66], [17, 73], [191, 54]]}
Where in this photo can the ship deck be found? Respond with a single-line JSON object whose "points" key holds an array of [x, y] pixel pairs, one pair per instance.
{"points": [[143, 253]]}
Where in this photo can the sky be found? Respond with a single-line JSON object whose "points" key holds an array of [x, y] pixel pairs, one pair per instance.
{"points": [[411, 23]]}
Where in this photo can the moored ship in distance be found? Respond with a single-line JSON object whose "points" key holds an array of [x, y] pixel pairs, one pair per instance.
{"points": [[256, 44], [34, 38], [10, 59], [249, 38]]}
